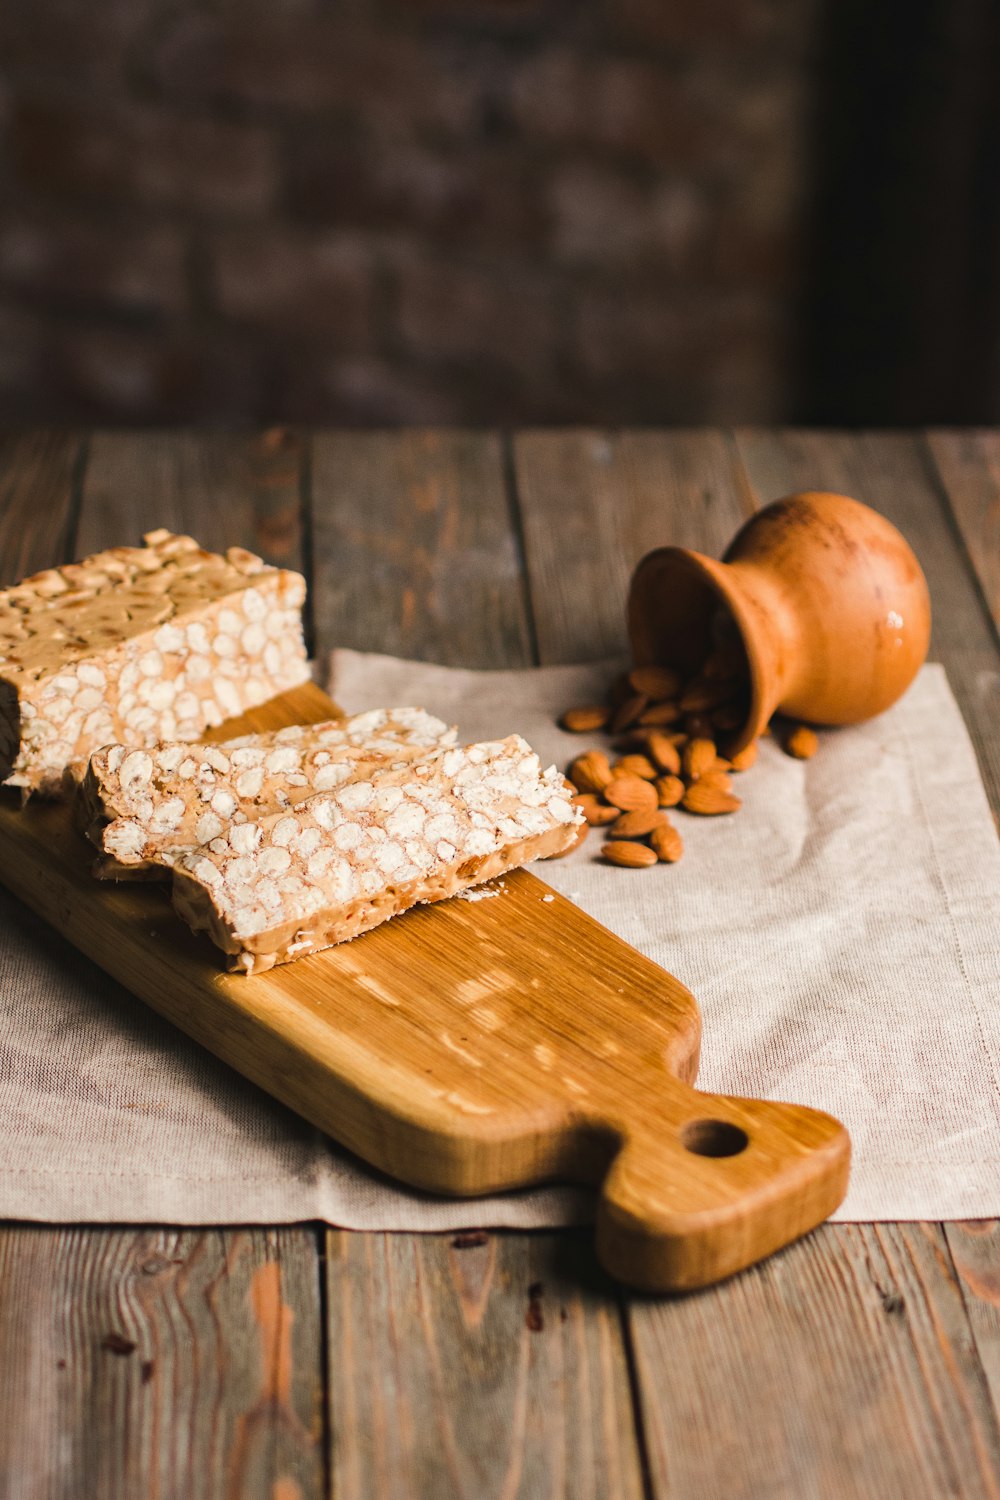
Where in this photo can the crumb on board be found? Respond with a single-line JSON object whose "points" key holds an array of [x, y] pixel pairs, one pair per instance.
{"points": [[548, 898]]}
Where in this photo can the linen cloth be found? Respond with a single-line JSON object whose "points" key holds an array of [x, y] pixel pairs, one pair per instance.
{"points": [[840, 933]]}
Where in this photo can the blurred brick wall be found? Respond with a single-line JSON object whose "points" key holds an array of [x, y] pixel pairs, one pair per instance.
{"points": [[440, 210]]}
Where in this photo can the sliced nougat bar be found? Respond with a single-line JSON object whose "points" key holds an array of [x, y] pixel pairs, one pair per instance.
{"points": [[346, 860], [143, 808], [139, 644]]}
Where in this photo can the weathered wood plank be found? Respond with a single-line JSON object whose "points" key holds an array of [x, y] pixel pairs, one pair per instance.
{"points": [[413, 548], [592, 505], [975, 1250], [146, 1362], [968, 464], [893, 473], [475, 1366], [438, 1386], [840, 1370], [221, 488], [793, 1379], [39, 482], [223, 1393]]}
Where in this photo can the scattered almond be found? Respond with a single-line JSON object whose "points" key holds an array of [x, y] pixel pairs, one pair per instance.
{"points": [[630, 794], [801, 742], [660, 713], [669, 791], [667, 727], [745, 759], [596, 812], [628, 712], [667, 844], [715, 778], [590, 772], [636, 825], [585, 720], [635, 765], [664, 753], [709, 800], [628, 854], [698, 757], [655, 682]]}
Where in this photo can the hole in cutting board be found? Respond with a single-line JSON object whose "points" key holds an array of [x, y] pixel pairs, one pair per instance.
{"points": [[714, 1138]]}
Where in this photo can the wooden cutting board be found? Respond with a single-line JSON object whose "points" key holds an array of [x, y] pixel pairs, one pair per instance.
{"points": [[472, 1047]]}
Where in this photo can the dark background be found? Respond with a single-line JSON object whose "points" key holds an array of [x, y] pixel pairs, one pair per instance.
{"points": [[500, 211]]}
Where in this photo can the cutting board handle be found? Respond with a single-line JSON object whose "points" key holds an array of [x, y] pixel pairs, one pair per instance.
{"points": [[713, 1183]]}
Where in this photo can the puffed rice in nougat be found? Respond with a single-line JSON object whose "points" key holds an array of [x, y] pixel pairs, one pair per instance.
{"points": [[139, 644], [143, 808], [344, 861]]}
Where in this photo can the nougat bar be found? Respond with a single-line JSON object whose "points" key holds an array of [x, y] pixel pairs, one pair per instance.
{"points": [[143, 807], [139, 644], [343, 861]]}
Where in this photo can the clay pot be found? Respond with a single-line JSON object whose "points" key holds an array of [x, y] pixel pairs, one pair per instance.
{"points": [[827, 598]]}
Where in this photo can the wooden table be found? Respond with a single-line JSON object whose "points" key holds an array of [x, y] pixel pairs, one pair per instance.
{"points": [[300, 1362]]}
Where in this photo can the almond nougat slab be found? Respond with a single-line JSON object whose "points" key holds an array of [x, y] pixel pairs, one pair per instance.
{"points": [[344, 861], [139, 644], [143, 808]]}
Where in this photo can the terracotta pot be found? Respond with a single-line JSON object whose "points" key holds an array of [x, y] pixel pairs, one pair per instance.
{"points": [[828, 600]]}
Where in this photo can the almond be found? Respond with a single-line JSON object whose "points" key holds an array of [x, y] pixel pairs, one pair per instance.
{"points": [[698, 756], [801, 742], [656, 682], [669, 791], [715, 778], [745, 759], [585, 720], [581, 835], [629, 855], [591, 771], [660, 713], [627, 713], [664, 752], [709, 800], [619, 690], [667, 844], [596, 812], [630, 794], [636, 825], [635, 765]]}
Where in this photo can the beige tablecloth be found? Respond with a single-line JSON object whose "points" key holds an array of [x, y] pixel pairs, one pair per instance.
{"points": [[841, 934]]}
